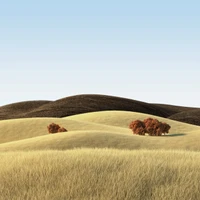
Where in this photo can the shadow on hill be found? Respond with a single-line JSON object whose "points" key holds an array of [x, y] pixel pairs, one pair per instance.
{"points": [[175, 135]]}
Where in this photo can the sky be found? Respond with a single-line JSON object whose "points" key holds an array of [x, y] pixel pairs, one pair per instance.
{"points": [[143, 50]]}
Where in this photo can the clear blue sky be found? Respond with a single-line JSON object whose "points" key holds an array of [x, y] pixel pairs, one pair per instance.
{"points": [[144, 50]]}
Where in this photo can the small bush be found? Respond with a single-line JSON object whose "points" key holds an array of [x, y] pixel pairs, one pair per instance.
{"points": [[55, 128]]}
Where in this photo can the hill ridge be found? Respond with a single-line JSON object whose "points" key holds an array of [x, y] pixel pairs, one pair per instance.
{"points": [[85, 103]]}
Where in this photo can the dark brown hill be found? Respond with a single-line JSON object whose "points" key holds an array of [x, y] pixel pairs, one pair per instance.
{"points": [[16, 110], [172, 109], [90, 103], [190, 116]]}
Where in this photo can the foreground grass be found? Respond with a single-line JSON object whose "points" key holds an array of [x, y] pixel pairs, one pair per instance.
{"points": [[100, 174]]}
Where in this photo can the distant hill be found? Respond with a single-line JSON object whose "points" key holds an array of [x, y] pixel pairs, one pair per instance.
{"points": [[191, 116], [90, 103], [17, 110]]}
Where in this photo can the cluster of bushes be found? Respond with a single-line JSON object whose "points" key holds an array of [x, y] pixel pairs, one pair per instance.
{"points": [[151, 126], [55, 128]]}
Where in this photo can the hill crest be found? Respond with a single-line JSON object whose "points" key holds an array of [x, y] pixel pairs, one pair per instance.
{"points": [[85, 103]]}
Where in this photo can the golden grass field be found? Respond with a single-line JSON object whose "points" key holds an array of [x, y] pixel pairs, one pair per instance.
{"points": [[98, 158]]}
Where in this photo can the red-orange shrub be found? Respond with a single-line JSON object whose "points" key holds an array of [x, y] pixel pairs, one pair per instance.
{"points": [[151, 126], [55, 128], [62, 130], [137, 127], [166, 127]]}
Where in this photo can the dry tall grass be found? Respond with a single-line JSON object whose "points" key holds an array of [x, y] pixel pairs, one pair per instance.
{"points": [[100, 174], [93, 171]]}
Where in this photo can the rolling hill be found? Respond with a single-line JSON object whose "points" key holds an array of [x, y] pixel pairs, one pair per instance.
{"points": [[104, 129], [90, 103]]}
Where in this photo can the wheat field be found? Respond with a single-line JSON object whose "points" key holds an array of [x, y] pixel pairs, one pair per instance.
{"points": [[98, 158]]}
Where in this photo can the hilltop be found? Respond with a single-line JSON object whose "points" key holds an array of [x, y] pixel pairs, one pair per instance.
{"points": [[85, 103]]}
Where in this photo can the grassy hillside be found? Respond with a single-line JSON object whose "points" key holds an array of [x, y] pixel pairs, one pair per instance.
{"points": [[100, 174], [99, 129], [105, 139], [18, 129], [123, 119]]}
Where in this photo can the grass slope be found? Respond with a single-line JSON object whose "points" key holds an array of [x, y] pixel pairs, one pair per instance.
{"points": [[98, 129], [18, 129], [123, 119], [100, 174]]}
